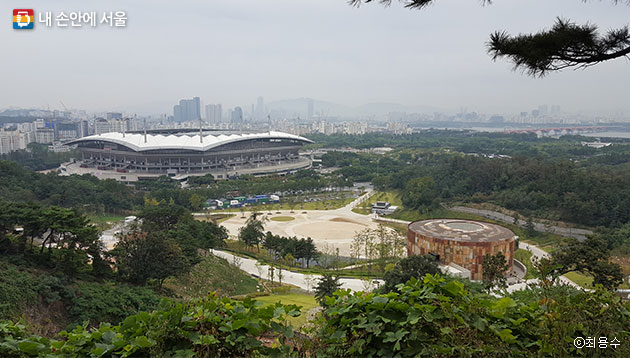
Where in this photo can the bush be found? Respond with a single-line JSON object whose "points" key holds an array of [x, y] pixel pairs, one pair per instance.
{"points": [[438, 317], [214, 327], [17, 289], [109, 302]]}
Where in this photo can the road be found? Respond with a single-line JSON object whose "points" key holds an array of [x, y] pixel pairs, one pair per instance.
{"points": [[579, 234], [306, 282]]}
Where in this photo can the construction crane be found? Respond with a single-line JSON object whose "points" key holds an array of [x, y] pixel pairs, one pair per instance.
{"points": [[66, 109]]}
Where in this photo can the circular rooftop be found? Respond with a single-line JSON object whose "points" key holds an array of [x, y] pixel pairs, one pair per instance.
{"points": [[461, 230]]}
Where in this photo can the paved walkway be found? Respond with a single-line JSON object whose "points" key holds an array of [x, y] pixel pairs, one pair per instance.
{"points": [[537, 254], [306, 282], [579, 234]]}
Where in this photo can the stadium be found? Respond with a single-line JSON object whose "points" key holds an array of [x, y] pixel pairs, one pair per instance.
{"points": [[464, 243], [138, 156]]}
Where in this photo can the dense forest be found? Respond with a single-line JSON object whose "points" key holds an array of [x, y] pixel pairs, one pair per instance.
{"points": [[592, 190], [37, 157], [85, 192], [468, 141]]}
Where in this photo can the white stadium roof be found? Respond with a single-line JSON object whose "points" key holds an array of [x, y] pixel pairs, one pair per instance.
{"points": [[136, 141]]}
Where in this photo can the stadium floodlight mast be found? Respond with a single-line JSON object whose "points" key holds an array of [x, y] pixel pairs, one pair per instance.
{"points": [[565, 45]]}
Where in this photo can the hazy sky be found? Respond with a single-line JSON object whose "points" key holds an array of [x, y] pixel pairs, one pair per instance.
{"points": [[231, 51]]}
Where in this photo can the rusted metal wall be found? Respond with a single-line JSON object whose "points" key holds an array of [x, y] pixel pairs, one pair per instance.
{"points": [[467, 254]]}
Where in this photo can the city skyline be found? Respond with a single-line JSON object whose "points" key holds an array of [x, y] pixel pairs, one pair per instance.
{"points": [[324, 49]]}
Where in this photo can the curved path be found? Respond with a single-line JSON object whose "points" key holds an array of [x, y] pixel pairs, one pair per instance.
{"points": [[306, 282]]}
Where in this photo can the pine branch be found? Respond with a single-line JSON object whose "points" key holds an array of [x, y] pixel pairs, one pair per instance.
{"points": [[565, 45], [411, 4]]}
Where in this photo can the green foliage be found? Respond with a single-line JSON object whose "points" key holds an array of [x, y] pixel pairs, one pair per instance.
{"points": [[110, 302], [494, 268], [37, 157], [249, 185], [192, 235], [290, 248], [162, 217], [85, 191], [416, 266], [434, 317], [143, 256], [252, 233], [77, 302], [420, 193], [65, 232], [212, 274], [213, 327], [591, 256], [556, 179], [325, 288], [437, 317], [17, 290]]}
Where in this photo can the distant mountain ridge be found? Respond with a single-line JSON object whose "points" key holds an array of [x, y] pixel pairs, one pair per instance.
{"points": [[299, 107]]}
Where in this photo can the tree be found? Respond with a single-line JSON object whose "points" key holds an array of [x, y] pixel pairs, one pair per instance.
{"points": [[252, 233], [162, 217], [195, 201], [380, 245], [420, 193], [565, 45], [591, 256], [494, 268], [530, 228], [307, 250], [413, 266], [326, 286], [142, 256], [192, 235]]}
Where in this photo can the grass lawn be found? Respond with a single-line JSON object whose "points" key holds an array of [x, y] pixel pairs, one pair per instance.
{"points": [[282, 218], [585, 281], [306, 301], [212, 274], [525, 257]]}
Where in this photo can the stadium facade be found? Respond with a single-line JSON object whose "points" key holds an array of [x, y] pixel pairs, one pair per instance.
{"points": [[138, 156]]}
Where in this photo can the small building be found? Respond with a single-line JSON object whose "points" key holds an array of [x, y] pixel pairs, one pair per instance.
{"points": [[130, 219], [383, 208]]}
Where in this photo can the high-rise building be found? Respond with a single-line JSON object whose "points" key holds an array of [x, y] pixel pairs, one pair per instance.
{"points": [[102, 125], [260, 109], [45, 135], [114, 115], [187, 110], [67, 130], [13, 140], [214, 113], [237, 115]]}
